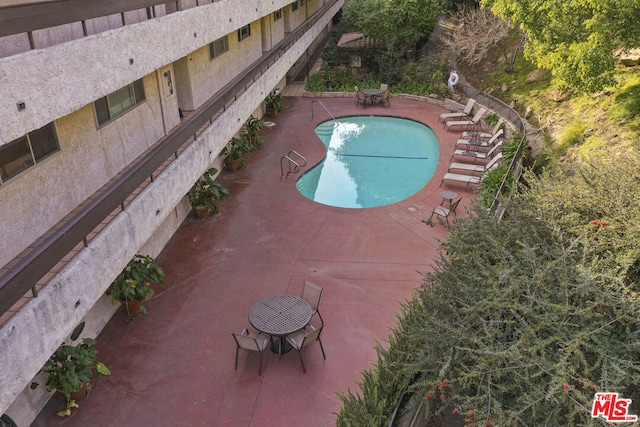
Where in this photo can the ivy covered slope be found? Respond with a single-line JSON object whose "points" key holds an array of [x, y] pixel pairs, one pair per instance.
{"points": [[527, 318]]}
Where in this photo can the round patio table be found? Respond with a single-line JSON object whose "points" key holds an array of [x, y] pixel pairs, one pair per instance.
{"points": [[448, 196], [278, 316], [373, 94]]}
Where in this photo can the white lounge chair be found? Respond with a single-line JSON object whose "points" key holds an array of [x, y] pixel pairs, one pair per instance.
{"points": [[468, 123], [475, 155], [474, 168], [483, 135], [458, 114], [477, 143], [467, 179]]}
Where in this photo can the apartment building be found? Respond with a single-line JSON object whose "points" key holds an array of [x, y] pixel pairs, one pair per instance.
{"points": [[109, 112]]}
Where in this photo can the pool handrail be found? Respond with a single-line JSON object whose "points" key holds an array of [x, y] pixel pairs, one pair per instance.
{"points": [[325, 109]]}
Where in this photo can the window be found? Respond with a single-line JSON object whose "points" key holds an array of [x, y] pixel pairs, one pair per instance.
{"points": [[119, 102], [218, 47], [244, 32], [24, 152], [277, 14], [294, 6]]}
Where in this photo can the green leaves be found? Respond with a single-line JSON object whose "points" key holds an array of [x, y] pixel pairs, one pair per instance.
{"points": [[134, 282], [402, 24], [538, 312], [576, 39], [207, 192], [71, 367]]}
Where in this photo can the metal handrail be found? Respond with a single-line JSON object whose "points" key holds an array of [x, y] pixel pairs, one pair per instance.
{"points": [[27, 17], [325, 109], [512, 116], [296, 165], [26, 271]]}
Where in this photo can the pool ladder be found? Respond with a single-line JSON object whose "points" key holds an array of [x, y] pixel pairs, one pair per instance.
{"points": [[293, 165]]}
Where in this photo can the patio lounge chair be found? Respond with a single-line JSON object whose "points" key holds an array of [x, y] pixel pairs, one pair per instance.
{"points": [[304, 338], [466, 179], [475, 155], [483, 135], [467, 123], [312, 293], [476, 168], [458, 114], [442, 211], [251, 342], [477, 143]]}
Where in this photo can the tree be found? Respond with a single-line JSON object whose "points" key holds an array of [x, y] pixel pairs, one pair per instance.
{"points": [[576, 39], [477, 31], [403, 24]]}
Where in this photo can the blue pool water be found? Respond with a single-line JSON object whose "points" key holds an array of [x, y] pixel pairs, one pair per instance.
{"points": [[371, 161]]}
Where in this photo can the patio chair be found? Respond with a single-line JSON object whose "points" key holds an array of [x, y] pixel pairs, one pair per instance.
{"points": [[478, 143], [441, 211], [476, 168], [385, 98], [312, 293], [483, 135], [252, 342], [467, 123], [304, 338], [458, 114], [475, 155], [361, 98]]}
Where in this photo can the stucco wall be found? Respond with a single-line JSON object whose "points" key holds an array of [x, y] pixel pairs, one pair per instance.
{"points": [[40, 197], [27, 340], [223, 68], [65, 77]]}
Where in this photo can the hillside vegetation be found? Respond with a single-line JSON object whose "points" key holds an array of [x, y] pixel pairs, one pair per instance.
{"points": [[522, 321], [577, 125]]}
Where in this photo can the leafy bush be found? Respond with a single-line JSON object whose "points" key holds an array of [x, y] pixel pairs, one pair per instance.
{"points": [[491, 182], [527, 318], [70, 368], [491, 119], [134, 282]]}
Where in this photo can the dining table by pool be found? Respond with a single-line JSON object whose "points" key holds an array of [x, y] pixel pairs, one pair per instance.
{"points": [[279, 316], [372, 94]]}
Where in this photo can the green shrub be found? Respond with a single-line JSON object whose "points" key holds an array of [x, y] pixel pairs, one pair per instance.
{"points": [[491, 119], [526, 318], [491, 182]]}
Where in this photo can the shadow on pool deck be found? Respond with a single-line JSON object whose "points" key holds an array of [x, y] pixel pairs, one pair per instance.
{"points": [[175, 365]]}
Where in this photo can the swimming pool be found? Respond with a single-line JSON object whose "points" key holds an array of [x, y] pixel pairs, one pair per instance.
{"points": [[371, 161]]}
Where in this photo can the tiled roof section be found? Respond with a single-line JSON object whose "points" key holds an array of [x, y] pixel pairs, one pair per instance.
{"points": [[358, 41]]}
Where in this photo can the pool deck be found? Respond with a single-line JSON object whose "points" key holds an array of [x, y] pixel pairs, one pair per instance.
{"points": [[175, 365]]}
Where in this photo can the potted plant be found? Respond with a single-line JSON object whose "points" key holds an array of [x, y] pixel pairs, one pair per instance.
{"points": [[234, 153], [133, 284], [71, 367], [206, 193], [274, 102], [252, 129]]}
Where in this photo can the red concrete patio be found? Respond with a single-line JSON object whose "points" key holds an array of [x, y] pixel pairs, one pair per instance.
{"points": [[175, 365]]}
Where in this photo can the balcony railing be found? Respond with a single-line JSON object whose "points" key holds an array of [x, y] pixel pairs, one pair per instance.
{"points": [[25, 18], [24, 272]]}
